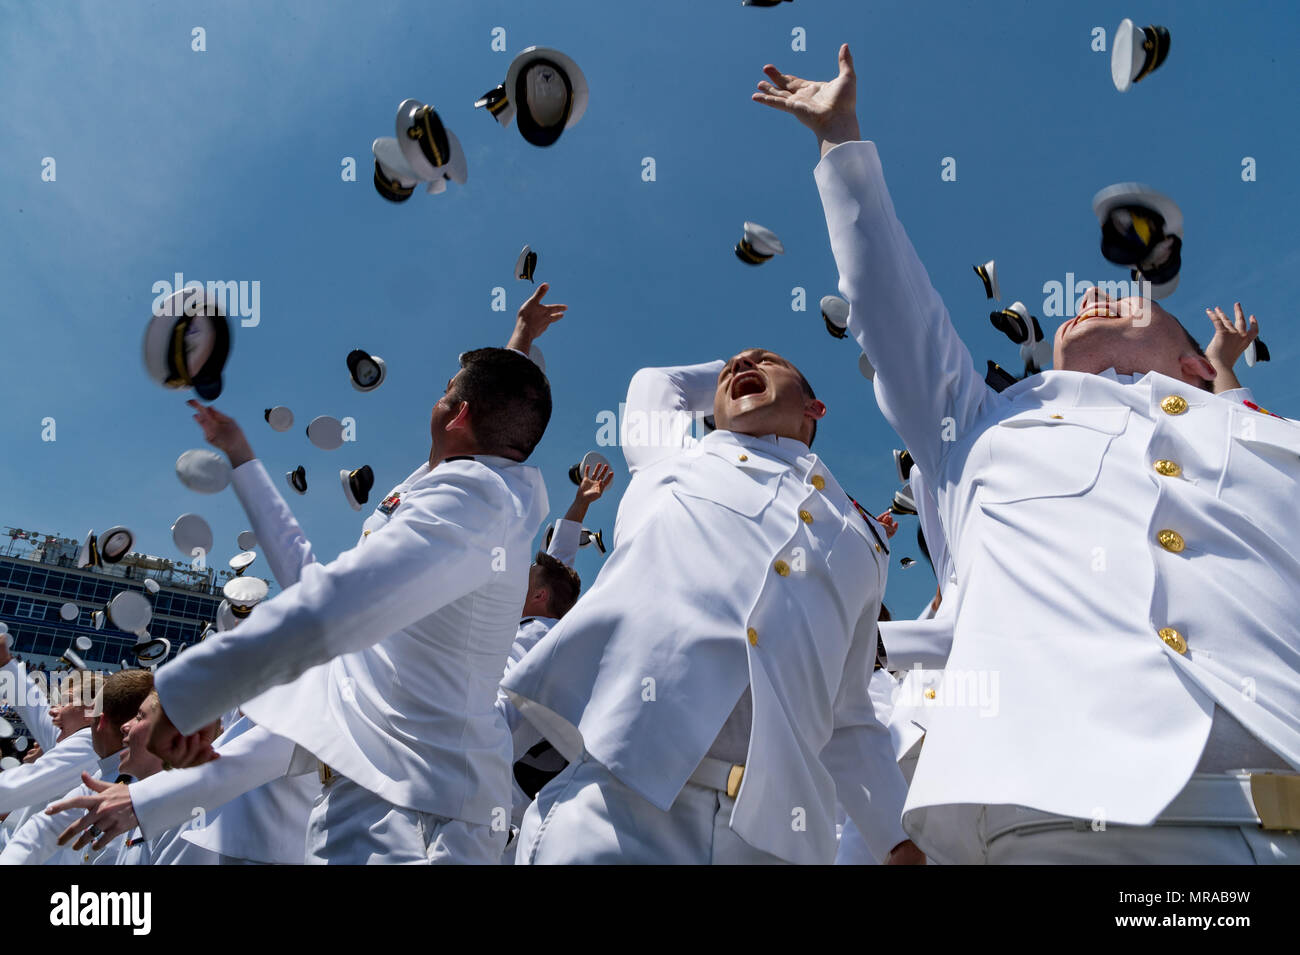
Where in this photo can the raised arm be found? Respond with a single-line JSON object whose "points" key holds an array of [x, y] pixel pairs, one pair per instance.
{"points": [[30, 699], [436, 549], [1231, 338], [661, 408], [285, 546], [926, 383]]}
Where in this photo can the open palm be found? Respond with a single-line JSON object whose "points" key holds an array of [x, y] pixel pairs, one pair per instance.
{"points": [[815, 103]]}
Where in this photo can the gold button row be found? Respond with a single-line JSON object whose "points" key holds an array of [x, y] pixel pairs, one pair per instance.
{"points": [[1171, 541], [1173, 404], [1167, 468], [1173, 639]]}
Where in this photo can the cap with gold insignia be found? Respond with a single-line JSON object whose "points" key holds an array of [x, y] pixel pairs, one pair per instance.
{"points": [[906, 562], [865, 367], [586, 538], [357, 485], [366, 370], [1014, 322], [151, 585], [456, 170], [395, 180], [903, 464], [526, 264], [835, 313], [187, 342], [988, 273], [998, 378], [590, 461], [88, 553], [190, 533], [203, 471], [130, 611], [244, 593], [297, 479], [1142, 229], [903, 502], [208, 630], [422, 139], [1136, 53], [325, 432], [246, 540], [241, 561], [279, 418], [69, 611], [150, 651], [544, 89], [758, 245]]}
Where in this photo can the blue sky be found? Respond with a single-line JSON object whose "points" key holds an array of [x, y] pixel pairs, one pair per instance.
{"points": [[225, 165]]}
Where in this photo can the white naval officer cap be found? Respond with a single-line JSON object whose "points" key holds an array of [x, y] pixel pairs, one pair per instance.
{"points": [[190, 531], [835, 313], [1136, 52], [1256, 351], [242, 561], [395, 180], [357, 485], [590, 461], [9, 762], [325, 432], [150, 651], [246, 540], [988, 273], [203, 471], [544, 89], [187, 342], [130, 611], [422, 139], [367, 371], [279, 418], [72, 655], [758, 244], [297, 479], [526, 264], [243, 594], [69, 611], [1143, 229], [151, 585]]}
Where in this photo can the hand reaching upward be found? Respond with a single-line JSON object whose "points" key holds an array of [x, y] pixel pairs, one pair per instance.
{"points": [[828, 108]]}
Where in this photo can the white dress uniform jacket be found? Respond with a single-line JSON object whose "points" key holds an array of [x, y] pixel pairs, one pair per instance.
{"points": [[384, 663], [1058, 497], [737, 561], [36, 842], [58, 770]]}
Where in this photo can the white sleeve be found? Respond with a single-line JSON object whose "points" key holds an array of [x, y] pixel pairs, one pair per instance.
{"points": [[926, 384], [860, 754], [435, 550], [565, 540], [49, 777], [522, 733], [661, 407], [32, 704], [281, 539], [37, 839], [166, 800]]}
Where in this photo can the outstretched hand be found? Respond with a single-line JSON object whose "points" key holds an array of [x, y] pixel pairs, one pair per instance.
{"points": [[223, 433], [109, 813], [827, 107], [1231, 338], [595, 481], [533, 318]]}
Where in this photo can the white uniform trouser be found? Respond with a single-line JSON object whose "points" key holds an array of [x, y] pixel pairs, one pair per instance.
{"points": [[350, 825], [585, 815]]}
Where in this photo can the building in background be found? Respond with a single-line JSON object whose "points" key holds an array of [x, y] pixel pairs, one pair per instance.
{"points": [[39, 574]]}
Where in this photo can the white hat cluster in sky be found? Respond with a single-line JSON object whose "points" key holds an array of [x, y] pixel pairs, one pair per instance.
{"points": [[423, 151]]}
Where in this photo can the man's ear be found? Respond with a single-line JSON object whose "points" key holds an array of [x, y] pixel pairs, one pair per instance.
{"points": [[103, 724], [1194, 366], [814, 408], [461, 420]]}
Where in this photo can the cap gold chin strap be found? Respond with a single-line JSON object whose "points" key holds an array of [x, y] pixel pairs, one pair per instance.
{"points": [[180, 371]]}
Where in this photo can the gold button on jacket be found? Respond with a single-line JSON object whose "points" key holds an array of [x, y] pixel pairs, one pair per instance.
{"points": [[782, 568], [1171, 541], [744, 457], [1167, 468], [1173, 639], [1174, 404], [818, 481], [753, 636], [806, 517]]}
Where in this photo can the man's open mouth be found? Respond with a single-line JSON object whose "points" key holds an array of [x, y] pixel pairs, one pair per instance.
{"points": [[748, 383]]}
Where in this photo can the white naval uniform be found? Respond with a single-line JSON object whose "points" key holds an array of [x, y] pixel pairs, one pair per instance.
{"points": [[738, 562], [565, 541], [1053, 504], [256, 799], [58, 770], [36, 841], [31, 703], [384, 664]]}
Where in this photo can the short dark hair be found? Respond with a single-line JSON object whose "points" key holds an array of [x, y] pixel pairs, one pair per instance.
{"points": [[124, 694], [562, 584], [1196, 346], [509, 399]]}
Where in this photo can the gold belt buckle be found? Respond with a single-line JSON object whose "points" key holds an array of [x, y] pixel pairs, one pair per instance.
{"points": [[324, 772], [733, 780], [1277, 799]]}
